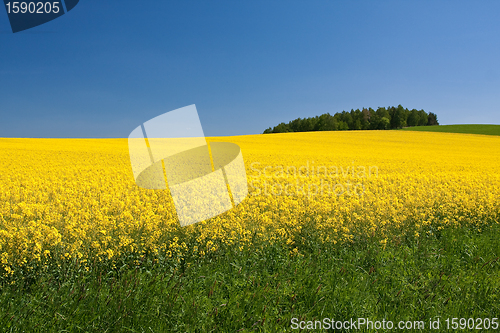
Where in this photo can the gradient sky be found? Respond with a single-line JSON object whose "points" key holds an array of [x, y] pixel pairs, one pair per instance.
{"points": [[108, 66]]}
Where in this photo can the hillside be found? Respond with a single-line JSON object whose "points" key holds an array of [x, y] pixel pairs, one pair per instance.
{"points": [[466, 129]]}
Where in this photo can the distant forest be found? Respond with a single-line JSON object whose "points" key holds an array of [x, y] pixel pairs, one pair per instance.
{"points": [[365, 119]]}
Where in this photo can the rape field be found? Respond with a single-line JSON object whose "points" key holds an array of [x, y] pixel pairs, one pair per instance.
{"points": [[71, 212]]}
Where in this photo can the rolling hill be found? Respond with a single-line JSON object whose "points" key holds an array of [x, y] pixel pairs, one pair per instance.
{"points": [[467, 129]]}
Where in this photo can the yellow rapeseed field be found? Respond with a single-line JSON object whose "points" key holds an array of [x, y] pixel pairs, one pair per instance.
{"points": [[68, 199]]}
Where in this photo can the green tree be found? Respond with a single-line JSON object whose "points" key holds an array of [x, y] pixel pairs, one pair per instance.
{"points": [[357, 125], [382, 118], [346, 118], [343, 126], [294, 125], [412, 118], [432, 119], [281, 128], [326, 122], [383, 112], [423, 118], [366, 118], [357, 119], [384, 124], [306, 125], [398, 119]]}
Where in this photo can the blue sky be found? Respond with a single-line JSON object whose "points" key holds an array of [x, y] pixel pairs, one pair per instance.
{"points": [[108, 66]]}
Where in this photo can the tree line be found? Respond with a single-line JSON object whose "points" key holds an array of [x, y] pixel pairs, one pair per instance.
{"points": [[364, 119]]}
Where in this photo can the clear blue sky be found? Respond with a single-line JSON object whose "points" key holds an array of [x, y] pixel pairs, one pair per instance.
{"points": [[108, 66]]}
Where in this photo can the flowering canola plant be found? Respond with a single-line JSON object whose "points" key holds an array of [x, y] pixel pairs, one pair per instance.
{"points": [[76, 199]]}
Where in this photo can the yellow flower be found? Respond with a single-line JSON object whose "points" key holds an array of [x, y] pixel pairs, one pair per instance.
{"points": [[66, 199]]}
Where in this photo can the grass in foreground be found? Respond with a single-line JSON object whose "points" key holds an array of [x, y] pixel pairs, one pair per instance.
{"points": [[451, 273], [410, 248], [465, 129]]}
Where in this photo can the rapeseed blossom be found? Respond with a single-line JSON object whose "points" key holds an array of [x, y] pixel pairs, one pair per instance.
{"points": [[76, 199]]}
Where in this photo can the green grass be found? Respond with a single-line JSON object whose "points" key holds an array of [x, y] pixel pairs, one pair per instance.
{"points": [[450, 273], [467, 129]]}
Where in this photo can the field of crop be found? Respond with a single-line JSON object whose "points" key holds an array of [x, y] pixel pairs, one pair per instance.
{"points": [[393, 225], [465, 129]]}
